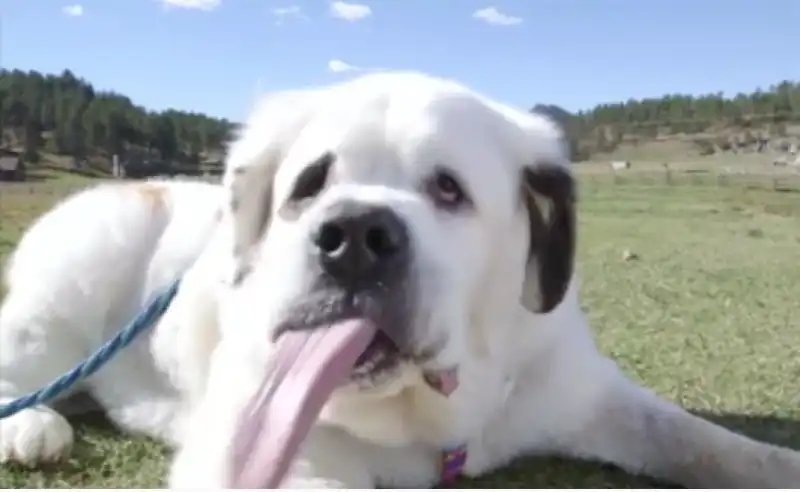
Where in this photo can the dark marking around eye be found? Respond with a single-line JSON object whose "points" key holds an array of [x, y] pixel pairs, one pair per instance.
{"points": [[446, 191], [313, 178]]}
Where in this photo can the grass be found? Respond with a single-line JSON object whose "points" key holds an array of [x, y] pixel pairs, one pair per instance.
{"points": [[706, 316]]}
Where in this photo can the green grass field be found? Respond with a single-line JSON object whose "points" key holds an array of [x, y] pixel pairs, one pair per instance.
{"points": [[708, 316]]}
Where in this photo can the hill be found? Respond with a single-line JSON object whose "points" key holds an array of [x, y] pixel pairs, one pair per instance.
{"points": [[65, 115], [704, 124]]}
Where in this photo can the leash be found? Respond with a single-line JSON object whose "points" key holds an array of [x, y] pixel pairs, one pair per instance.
{"points": [[157, 307]]}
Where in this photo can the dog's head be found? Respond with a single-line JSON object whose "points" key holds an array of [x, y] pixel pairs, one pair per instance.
{"points": [[401, 198]]}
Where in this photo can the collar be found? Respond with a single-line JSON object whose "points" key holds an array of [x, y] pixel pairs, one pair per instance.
{"points": [[453, 461]]}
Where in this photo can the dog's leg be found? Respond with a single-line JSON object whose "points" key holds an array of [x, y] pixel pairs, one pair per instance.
{"points": [[168, 373], [594, 412], [202, 460], [642, 433], [143, 404], [34, 350]]}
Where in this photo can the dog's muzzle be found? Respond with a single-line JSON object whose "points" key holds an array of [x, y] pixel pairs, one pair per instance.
{"points": [[352, 326], [364, 255]]}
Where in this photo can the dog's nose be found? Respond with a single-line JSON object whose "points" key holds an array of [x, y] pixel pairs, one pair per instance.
{"points": [[362, 243]]}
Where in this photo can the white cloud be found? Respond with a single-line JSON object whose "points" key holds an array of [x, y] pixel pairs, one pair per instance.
{"points": [[491, 15], [351, 12], [207, 5], [75, 10], [288, 12], [338, 66]]}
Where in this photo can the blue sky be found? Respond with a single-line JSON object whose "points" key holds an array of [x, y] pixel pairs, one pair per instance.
{"points": [[214, 55]]}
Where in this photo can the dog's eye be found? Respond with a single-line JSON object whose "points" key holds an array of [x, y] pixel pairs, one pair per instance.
{"points": [[313, 178], [445, 190]]}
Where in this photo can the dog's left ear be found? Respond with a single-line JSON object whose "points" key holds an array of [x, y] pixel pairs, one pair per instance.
{"points": [[548, 191]]}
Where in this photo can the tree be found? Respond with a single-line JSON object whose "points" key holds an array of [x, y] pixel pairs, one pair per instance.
{"points": [[33, 140], [164, 137]]}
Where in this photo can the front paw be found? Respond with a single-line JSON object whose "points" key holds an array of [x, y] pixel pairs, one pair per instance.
{"points": [[33, 436]]}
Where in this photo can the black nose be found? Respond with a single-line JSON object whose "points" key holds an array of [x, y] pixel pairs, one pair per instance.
{"points": [[362, 243]]}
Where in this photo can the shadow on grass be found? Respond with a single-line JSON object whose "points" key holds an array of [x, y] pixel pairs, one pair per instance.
{"points": [[94, 457], [782, 431]]}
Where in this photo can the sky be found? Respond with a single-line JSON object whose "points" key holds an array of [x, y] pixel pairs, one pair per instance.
{"points": [[216, 56]]}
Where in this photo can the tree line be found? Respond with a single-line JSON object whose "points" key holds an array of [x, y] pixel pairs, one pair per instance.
{"points": [[605, 126], [64, 114]]}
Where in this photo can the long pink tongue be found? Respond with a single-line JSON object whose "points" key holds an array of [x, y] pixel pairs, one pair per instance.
{"points": [[306, 368]]}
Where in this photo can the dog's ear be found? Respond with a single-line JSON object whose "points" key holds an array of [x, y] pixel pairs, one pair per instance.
{"points": [[250, 208], [252, 164], [548, 191]]}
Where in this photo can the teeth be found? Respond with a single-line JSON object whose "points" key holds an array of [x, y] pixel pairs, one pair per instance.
{"points": [[370, 364]]}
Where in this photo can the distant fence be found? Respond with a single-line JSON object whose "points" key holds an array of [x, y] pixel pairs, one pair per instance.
{"points": [[785, 179], [781, 180]]}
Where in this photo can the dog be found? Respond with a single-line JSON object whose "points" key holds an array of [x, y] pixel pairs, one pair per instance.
{"points": [[446, 217]]}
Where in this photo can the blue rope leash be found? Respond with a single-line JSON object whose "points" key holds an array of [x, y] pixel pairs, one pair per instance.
{"points": [[89, 366]]}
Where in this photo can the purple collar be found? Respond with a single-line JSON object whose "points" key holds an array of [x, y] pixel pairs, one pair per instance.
{"points": [[453, 461]]}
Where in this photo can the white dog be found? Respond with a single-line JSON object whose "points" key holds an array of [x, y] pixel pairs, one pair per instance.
{"points": [[442, 216]]}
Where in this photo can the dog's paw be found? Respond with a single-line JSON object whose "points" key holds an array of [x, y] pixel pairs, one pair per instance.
{"points": [[35, 435]]}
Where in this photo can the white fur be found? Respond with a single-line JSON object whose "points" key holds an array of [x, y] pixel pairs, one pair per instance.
{"points": [[530, 383]]}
